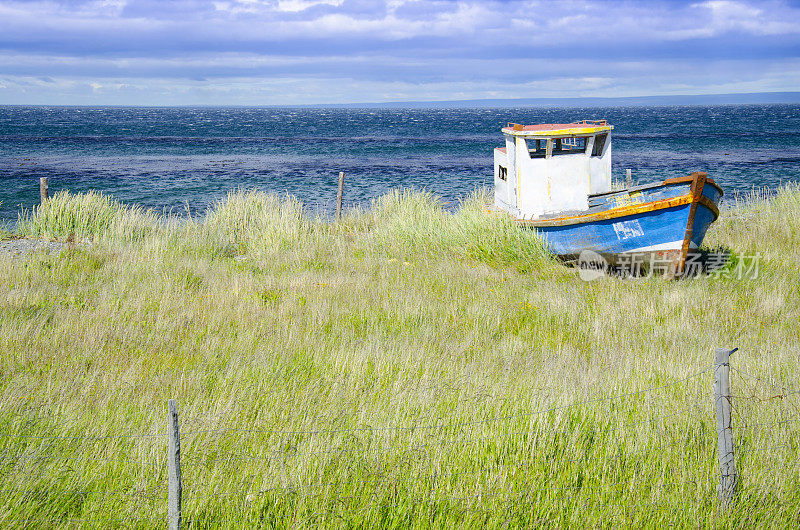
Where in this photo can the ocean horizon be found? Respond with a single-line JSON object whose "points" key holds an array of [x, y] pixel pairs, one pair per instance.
{"points": [[179, 159]]}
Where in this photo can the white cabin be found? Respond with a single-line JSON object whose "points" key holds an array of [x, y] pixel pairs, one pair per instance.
{"points": [[551, 168]]}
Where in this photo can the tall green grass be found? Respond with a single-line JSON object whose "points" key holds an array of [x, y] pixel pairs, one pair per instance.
{"points": [[90, 215], [404, 367]]}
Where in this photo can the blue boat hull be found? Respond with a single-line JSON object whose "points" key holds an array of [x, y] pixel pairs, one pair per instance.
{"points": [[665, 221]]}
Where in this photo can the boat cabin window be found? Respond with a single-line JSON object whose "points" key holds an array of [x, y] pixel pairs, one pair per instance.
{"points": [[503, 172], [537, 148], [559, 146], [599, 144], [569, 146]]}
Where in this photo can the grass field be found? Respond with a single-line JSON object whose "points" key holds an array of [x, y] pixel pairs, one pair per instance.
{"points": [[405, 367]]}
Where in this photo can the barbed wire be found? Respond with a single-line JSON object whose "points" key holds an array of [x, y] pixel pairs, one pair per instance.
{"points": [[617, 397], [492, 493], [760, 380], [138, 493], [102, 437], [372, 485], [281, 454], [57, 519], [434, 477], [791, 419], [361, 429], [36, 458], [746, 448]]}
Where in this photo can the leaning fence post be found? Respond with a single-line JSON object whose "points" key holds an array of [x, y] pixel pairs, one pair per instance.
{"points": [[722, 400], [174, 465], [339, 196], [43, 188]]}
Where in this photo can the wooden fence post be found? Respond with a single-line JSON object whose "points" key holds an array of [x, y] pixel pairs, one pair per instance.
{"points": [[174, 467], [43, 189], [628, 178], [339, 196], [722, 400]]}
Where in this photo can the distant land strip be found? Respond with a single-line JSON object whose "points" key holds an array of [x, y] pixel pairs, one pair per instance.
{"points": [[753, 98], [637, 101]]}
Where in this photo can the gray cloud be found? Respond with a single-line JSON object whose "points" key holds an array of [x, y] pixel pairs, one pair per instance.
{"points": [[382, 50]]}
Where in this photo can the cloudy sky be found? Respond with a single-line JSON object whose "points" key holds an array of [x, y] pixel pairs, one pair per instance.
{"points": [[273, 52]]}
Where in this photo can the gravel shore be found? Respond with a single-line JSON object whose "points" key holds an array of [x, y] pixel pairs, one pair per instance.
{"points": [[18, 248]]}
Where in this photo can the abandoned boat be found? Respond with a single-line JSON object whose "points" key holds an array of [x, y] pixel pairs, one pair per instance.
{"points": [[556, 178]]}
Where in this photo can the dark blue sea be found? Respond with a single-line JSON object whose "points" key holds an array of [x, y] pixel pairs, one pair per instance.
{"points": [[174, 158]]}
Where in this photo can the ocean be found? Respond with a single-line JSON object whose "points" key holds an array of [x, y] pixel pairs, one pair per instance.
{"points": [[174, 159]]}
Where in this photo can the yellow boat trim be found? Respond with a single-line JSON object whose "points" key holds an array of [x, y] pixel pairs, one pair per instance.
{"points": [[571, 131], [628, 209], [624, 211]]}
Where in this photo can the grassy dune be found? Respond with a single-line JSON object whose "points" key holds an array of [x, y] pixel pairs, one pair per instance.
{"points": [[403, 367]]}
